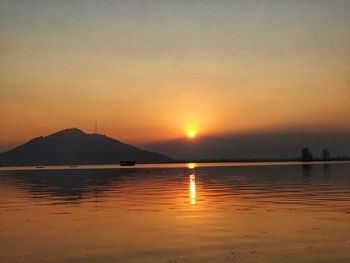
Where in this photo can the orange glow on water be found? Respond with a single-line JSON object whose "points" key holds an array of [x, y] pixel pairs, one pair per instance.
{"points": [[191, 165], [193, 189]]}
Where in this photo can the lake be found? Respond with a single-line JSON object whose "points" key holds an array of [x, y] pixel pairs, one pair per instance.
{"points": [[268, 212]]}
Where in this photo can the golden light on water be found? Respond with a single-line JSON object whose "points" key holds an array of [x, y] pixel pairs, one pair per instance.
{"points": [[191, 165], [193, 189]]}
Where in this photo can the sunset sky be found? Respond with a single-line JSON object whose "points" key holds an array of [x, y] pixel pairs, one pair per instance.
{"points": [[153, 70]]}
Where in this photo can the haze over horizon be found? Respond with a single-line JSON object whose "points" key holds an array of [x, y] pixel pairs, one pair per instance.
{"points": [[149, 71], [260, 146]]}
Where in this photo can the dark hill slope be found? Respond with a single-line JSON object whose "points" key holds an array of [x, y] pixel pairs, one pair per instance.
{"points": [[73, 146]]}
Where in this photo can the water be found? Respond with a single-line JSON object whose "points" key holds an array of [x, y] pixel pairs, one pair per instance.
{"points": [[257, 213]]}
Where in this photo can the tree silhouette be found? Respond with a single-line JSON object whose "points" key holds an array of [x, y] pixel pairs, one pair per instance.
{"points": [[326, 154], [306, 155]]}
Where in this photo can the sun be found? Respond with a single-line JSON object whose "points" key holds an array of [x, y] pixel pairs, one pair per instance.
{"points": [[191, 134]]}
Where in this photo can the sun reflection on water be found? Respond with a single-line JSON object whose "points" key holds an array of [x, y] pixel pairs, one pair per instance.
{"points": [[193, 189], [191, 165]]}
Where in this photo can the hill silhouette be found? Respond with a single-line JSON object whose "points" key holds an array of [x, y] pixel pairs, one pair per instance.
{"points": [[73, 146]]}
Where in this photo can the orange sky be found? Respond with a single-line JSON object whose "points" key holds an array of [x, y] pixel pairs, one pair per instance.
{"points": [[151, 71]]}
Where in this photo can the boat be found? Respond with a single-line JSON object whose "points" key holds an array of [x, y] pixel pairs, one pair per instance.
{"points": [[127, 163], [40, 167]]}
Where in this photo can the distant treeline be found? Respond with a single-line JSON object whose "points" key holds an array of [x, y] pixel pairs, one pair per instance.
{"points": [[306, 156]]}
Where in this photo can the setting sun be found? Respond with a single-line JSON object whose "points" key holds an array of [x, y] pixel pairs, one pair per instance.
{"points": [[191, 134]]}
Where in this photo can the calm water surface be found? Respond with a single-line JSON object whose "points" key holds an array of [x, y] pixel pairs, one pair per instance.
{"points": [[257, 213]]}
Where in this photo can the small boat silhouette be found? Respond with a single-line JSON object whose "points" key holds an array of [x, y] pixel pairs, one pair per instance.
{"points": [[127, 163], [40, 167]]}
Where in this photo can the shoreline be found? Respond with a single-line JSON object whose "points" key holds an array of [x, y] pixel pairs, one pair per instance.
{"points": [[169, 165]]}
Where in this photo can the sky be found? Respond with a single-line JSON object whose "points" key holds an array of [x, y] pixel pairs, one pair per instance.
{"points": [[149, 71]]}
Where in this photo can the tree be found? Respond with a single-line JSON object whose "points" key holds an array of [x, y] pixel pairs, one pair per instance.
{"points": [[326, 154], [306, 155]]}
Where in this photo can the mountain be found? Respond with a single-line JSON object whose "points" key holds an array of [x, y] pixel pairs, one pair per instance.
{"points": [[73, 146]]}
